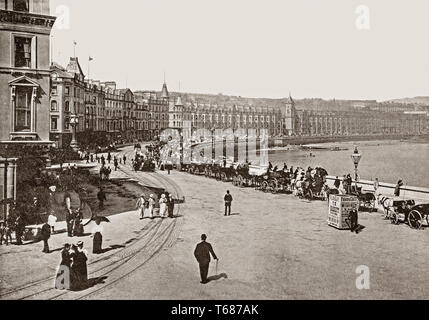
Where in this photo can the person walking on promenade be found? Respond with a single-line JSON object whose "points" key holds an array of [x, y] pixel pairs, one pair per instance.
{"points": [[170, 206], [163, 206], [103, 160], [45, 234], [115, 163], [151, 205], [19, 229], [80, 269], [228, 200], [97, 233], [101, 196], [5, 233], [124, 158], [109, 157], [398, 188], [202, 254], [140, 206], [52, 219], [62, 279]]}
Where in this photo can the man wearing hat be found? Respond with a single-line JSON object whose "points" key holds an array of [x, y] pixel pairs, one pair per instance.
{"points": [[202, 254]]}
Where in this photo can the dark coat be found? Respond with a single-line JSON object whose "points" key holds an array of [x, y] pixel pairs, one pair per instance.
{"points": [[65, 258], [228, 198], [45, 233], [202, 252]]}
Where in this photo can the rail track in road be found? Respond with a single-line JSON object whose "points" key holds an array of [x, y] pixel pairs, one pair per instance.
{"points": [[155, 236]]}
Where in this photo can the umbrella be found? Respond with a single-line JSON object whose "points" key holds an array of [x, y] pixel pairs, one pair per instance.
{"points": [[101, 219]]}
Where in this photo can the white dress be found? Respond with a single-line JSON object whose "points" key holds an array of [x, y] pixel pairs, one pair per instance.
{"points": [[163, 208], [140, 207], [150, 208]]}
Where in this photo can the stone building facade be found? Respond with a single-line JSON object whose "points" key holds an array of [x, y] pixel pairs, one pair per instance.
{"points": [[25, 27]]}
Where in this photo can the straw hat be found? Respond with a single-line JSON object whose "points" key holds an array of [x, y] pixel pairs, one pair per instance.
{"points": [[151, 196]]}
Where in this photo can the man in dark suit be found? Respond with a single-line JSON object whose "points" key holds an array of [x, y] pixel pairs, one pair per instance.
{"points": [[202, 254], [228, 201]]}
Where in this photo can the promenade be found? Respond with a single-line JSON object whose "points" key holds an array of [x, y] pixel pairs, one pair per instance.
{"points": [[273, 246]]}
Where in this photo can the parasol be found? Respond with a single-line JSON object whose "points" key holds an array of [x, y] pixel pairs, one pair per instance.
{"points": [[101, 219]]}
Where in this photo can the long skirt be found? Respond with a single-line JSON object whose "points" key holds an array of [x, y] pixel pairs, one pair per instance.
{"points": [[163, 210], [97, 242], [63, 277], [147, 212]]}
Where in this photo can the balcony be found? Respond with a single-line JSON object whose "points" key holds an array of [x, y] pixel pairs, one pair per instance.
{"points": [[31, 19]]}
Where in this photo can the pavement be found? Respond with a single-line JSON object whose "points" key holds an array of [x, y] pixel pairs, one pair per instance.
{"points": [[273, 246]]}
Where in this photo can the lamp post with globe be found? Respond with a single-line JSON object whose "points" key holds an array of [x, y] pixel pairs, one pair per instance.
{"points": [[356, 156], [74, 121]]}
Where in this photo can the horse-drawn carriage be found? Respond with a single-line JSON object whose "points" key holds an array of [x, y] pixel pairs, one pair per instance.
{"points": [[278, 181], [245, 175], [399, 210], [197, 168], [312, 185], [367, 200]]}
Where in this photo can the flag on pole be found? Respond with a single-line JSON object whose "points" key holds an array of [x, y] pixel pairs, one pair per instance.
{"points": [[74, 42], [90, 58]]}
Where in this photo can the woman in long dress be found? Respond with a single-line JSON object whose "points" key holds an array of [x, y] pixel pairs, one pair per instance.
{"points": [[151, 205], [163, 206], [97, 232], [63, 272], [140, 206]]}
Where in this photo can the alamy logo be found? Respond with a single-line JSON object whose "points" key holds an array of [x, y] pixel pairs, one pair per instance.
{"points": [[62, 13], [363, 18], [362, 281], [204, 145]]}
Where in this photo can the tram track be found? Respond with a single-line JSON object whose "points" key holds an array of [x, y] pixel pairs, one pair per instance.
{"points": [[152, 238]]}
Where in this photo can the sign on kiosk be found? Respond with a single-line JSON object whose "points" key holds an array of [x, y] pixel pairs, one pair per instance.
{"points": [[340, 207]]}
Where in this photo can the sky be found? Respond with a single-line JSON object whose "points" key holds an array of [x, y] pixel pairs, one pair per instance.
{"points": [[251, 48]]}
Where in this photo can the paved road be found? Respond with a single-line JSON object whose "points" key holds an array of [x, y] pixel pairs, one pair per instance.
{"points": [[272, 247], [279, 247]]}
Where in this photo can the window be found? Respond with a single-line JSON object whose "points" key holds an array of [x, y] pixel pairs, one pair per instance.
{"points": [[67, 90], [54, 123], [54, 106], [67, 107], [23, 109], [21, 5], [22, 52], [66, 123], [53, 90]]}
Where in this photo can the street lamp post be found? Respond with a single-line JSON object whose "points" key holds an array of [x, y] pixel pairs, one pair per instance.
{"points": [[74, 121], [356, 156]]}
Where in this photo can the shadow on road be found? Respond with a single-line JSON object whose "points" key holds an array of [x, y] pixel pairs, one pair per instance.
{"points": [[217, 277], [112, 247]]}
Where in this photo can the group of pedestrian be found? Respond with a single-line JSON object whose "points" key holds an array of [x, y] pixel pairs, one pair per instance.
{"points": [[72, 273], [105, 172], [146, 207]]}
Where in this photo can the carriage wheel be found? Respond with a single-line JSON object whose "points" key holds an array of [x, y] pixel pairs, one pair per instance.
{"points": [[223, 176], [394, 218], [415, 219], [191, 170], [264, 186], [273, 186], [309, 194]]}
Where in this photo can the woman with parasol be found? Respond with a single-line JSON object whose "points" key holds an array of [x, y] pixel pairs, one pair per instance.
{"points": [[97, 233]]}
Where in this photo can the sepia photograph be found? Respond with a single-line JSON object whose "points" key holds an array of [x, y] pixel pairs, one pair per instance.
{"points": [[200, 150]]}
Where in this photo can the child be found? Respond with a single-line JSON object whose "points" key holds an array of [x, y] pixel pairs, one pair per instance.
{"points": [[52, 219]]}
